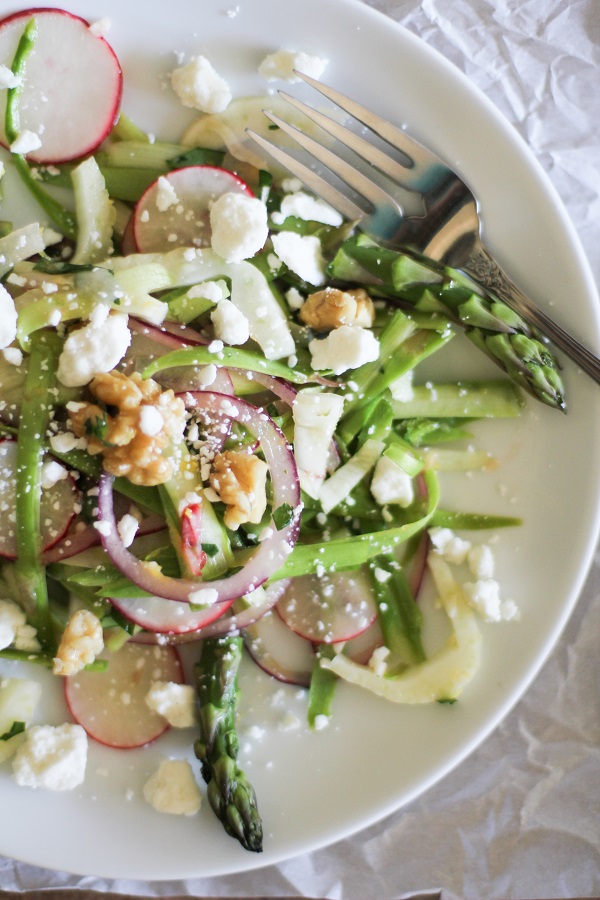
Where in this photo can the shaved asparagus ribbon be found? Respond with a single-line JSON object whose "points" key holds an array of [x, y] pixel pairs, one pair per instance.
{"points": [[271, 553]]}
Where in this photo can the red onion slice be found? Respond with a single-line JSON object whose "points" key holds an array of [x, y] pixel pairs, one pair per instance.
{"points": [[270, 554], [170, 334]]}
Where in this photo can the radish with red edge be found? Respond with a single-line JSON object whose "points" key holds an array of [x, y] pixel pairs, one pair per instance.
{"points": [[361, 648], [170, 617], [279, 651], [58, 506], [71, 91], [111, 705], [175, 210], [328, 608]]}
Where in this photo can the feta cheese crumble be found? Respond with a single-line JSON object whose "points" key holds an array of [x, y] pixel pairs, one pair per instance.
{"points": [[239, 226], [347, 347], [172, 789], [453, 548], [27, 142], [95, 348], [391, 484], [165, 195], [302, 254], [198, 86], [51, 757], [175, 702], [280, 66], [231, 326], [304, 206]]}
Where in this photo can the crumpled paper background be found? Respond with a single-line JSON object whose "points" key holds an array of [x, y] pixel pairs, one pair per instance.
{"points": [[521, 817]]}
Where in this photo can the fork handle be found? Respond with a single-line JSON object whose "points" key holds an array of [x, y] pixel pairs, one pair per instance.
{"points": [[483, 269]]}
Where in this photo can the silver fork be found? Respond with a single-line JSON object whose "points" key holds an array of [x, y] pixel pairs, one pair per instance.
{"points": [[420, 203]]}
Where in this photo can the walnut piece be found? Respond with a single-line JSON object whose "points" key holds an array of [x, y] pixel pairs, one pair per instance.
{"points": [[331, 308], [239, 479], [132, 439], [80, 644]]}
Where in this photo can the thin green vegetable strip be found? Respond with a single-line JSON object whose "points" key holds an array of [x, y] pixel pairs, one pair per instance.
{"points": [[35, 416], [229, 792]]}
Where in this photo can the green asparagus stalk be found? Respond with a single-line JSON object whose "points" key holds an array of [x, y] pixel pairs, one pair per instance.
{"points": [[489, 323], [230, 793], [36, 408]]}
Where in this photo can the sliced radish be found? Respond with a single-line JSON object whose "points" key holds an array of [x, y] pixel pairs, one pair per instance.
{"points": [[328, 608], [58, 508], [279, 651], [174, 210], [168, 616], [72, 87], [111, 705], [361, 648]]}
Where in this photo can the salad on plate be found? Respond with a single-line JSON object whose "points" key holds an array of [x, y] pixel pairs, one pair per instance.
{"points": [[216, 437]]}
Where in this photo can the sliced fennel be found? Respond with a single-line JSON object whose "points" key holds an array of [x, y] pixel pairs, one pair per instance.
{"points": [[95, 214], [442, 677]]}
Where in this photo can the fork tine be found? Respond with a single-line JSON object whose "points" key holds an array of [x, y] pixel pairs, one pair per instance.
{"points": [[419, 158], [351, 176], [373, 155], [309, 177]]}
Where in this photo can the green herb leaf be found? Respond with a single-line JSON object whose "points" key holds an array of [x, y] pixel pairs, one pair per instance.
{"points": [[15, 728], [282, 516]]}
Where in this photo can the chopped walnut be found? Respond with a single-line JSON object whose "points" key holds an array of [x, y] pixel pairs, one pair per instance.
{"points": [[81, 642], [331, 308], [239, 479], [132, 440]]}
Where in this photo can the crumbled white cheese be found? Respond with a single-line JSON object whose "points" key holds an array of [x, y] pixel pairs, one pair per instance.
{"points": [[305, 206], [13, 356], [52, 472], [302, 253], [402, 388], [14, 630], [101, 27], [321, 722], [453, 548], [481, 561], [65, 441], [378, 660], [315, 419], [127, 528], [391, 484], [93, 349], [280, 66], [8, 79], [239, 226], [52, 757], [231, 326], [151, 420], [295, 300], [209, 290], [8, 318], [176, 702], [484, 596], [204, 596], [198, 86], [165, 194], [172, 789], [27, 142], [347, 347]]}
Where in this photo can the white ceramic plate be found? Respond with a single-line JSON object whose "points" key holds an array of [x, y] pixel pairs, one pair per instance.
{"points": [[317, 788]]}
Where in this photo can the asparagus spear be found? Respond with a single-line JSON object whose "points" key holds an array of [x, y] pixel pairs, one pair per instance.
{"points": [[36, 408], [230, 793], [492, 326]]}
